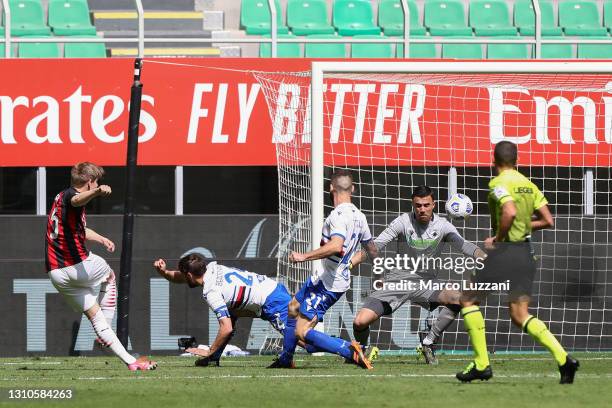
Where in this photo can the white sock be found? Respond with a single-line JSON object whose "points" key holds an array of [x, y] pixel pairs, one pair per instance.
{"points": [[109, 338], [107, 299]]}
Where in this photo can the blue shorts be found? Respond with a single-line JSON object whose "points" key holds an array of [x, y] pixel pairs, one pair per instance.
{"points": [[275, 308], [315, 300]]}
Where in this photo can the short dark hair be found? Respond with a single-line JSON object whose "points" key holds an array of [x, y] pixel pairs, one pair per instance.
{"points": [[338, 185], [192, 263], [505, 154], [422, 192]]}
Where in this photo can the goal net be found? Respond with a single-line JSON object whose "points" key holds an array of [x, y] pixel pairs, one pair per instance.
{"points": [[396, 131]]}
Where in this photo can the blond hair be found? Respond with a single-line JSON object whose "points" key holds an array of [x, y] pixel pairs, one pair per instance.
{"points": [[83, 172]]}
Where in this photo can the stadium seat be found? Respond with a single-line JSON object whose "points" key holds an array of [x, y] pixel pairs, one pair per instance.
{"points": [[27, 18], [38, 50], [255, 17], [354, 17], [509, 51], [283, 50], [595, 51], [580, 18], [84, 50], [391, 18], [445, 17], [306, 17], [607, 11], [423, 50], [325, 50], [371, 50], [462, 51], [490, 18], [557, 51], [70, 17], [524, 18]]}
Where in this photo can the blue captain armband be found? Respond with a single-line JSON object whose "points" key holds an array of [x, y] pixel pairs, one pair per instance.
{"points": [[222, 312]]}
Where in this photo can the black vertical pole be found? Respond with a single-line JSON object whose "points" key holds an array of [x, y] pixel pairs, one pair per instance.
{"points": [[128, 210]]}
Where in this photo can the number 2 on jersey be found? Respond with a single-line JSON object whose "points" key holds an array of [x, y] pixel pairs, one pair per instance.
{"points": [[248, 281]]}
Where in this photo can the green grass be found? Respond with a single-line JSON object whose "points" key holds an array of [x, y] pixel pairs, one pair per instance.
{"points": [[397, 381]]}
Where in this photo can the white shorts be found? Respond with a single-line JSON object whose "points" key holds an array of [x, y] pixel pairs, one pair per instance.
{"points": [[80, 283]]}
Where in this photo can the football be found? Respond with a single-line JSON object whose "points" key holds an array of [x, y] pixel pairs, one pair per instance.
{"points": [[459, 206]]}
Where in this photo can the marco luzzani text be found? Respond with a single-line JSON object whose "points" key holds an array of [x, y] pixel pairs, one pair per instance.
{"points": [[423, 264]]}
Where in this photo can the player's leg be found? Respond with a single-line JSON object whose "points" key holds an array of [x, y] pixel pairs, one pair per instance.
{"points": [[107, 298], [448, 313], [316, 301], [519, 313], [474, 323], [369, 313], [79, 284]]}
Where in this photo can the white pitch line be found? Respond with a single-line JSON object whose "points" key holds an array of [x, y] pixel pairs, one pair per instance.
{"points": [[33, 362], [288, 376]]}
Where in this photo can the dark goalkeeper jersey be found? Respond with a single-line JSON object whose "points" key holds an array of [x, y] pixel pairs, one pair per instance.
{"points": [[65, 239]]}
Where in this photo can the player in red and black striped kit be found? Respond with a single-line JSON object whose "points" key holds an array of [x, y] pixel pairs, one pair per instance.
{"points": [[84, 279]]}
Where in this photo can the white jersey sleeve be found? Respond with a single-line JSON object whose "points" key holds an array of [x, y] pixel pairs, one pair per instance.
{"points": [[350, 224]]}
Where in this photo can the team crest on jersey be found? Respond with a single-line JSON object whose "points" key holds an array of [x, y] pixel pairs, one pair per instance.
{"points": [[499, 192]]}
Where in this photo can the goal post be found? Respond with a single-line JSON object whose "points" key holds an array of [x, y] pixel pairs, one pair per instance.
{"points": [[397, 125]]}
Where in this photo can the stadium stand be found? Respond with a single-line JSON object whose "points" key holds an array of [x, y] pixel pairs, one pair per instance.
{"points": [[354, 17], [70, 17], [324, 50], [283, 50], [491, 18], [208, 22], [580, 18], [508, 51], [524, 18], [255, 17], [446, 17], [27, 18], [462, 51], [391, 18], [371, 50], [306, 17], [423, 50], [38, 50]]}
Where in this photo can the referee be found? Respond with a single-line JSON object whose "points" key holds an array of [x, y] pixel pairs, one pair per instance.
{"points": [[513, 199]]}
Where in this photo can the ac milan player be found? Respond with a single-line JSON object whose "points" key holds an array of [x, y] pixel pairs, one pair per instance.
{"points": [[84, 279]]}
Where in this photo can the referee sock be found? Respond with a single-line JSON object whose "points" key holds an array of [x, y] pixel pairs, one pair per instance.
{"points": [[475, 325], [538, 330], [329, 344], [109, 338]]}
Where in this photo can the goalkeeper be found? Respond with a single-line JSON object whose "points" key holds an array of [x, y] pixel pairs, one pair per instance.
{"points": [[425, 234]]}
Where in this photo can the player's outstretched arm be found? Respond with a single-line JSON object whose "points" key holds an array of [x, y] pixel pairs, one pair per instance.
{"points": [[543, 219], [91, 235], [226, 330], [332, 247], [85, 197], [172, 276]]}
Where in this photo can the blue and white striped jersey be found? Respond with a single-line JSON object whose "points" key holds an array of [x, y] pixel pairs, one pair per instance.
{"points": [[228, 289]]}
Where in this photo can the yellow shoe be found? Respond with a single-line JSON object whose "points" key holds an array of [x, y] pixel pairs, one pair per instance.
{"points": [[373, 355]]}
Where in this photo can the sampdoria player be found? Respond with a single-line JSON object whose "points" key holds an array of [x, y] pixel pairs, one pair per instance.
{"points": [[425, 235], [84, 279], [513, 200], [232, 293], [345, 230]]}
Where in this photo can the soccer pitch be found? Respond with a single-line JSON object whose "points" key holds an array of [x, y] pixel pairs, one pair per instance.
{"points": [[519, 381]]}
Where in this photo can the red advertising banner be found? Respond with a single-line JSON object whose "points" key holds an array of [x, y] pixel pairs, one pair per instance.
{"points": [[58, 112]]}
